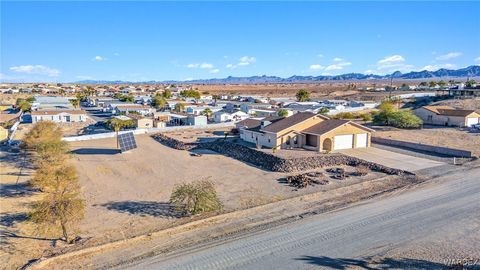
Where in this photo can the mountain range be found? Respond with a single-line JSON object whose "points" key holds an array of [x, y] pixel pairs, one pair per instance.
{"points": [[471, 71]]}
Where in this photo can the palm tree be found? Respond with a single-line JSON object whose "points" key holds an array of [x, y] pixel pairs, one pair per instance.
{"points": [[207, 112], [116, 125], [75, 102]]}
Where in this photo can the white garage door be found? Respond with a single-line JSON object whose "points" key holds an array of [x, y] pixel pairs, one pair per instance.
{"points": [[343, 142], [362, 140], [472, 121]]}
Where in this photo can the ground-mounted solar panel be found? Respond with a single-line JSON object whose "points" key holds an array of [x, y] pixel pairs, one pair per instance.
{"points": [[127, 141]]}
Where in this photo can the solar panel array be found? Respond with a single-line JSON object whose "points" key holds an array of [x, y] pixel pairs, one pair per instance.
{"points": [[127, 141]]}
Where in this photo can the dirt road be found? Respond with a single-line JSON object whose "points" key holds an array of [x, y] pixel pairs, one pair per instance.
{"points": [[441, 221]]}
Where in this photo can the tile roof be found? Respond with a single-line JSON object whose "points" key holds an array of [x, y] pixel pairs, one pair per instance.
{"points": [[325, 126], [331, 124], [289, 121], [448, 111], [455, 112]]}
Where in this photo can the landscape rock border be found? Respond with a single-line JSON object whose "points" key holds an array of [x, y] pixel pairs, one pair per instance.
{"points": [[274, 163]]}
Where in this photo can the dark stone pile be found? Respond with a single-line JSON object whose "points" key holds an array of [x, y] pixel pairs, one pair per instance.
{"points": [[243, 153], [305, 179], [173, 143], [321, 161]]}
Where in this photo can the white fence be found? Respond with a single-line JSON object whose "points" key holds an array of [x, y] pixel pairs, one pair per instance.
{"points": [[353, 109], [13, 129], [145, 131]]}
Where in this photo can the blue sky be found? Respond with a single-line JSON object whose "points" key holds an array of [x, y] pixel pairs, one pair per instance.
{"points": [[71, 41]]}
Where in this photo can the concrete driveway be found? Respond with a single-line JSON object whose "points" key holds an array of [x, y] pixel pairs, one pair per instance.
{"points": [[391, 159]]}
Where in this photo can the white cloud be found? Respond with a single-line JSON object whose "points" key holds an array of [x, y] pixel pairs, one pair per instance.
{"points": [[243, 61], [448, 56], [320, 55], [116, 54], [316, 67], [188, 79], [248, 59], [389, 60], [437, 67], [201, 65], [477, 59], [393, 63], [337, 59], [99, 58], [36, 69], [215, 71], [340, 64], [206, 65], [334, 67]]}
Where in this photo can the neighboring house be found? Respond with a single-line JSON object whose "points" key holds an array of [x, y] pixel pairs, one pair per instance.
{"points": [[464, 92], [247, 107], [224, 116], [198, 110], [263, 112], [306, 130], [196, 120], [59, 116], [142, 122], [51, 103], [447, 116], [182, 119], [126, 109]]}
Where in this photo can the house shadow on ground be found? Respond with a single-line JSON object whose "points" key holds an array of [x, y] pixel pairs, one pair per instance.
{"points": [[386, 263], [96, 151], [145, 208]]}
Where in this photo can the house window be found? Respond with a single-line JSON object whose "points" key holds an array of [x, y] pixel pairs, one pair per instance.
{"points": [[268, 139]]}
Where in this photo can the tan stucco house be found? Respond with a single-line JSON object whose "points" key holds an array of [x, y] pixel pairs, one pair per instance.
{"points": [[447, 116], [305, 130]]}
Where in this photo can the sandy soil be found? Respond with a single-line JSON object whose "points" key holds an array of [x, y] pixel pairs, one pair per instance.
{"points": [[328, 90], [463, 104], [439, 136], [132, 189], [17, 237], [127, 194]]}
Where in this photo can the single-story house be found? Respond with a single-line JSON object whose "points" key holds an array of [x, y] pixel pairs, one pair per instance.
{"points": [[263, 112], [198, 110], [59, 116], [142, 122], [447, 116], [306, 130], [224, 116], [140, 109]]}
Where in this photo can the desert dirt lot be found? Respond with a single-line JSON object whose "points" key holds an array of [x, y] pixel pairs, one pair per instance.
{"points": [[439, 136], [133, 189], [127, 194], [328, 90]]}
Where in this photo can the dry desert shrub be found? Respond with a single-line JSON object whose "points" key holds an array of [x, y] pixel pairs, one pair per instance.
{"points": [[361, 170]]}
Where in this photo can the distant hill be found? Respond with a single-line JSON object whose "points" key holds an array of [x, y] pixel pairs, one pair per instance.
{"points": [[471, 71]]}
